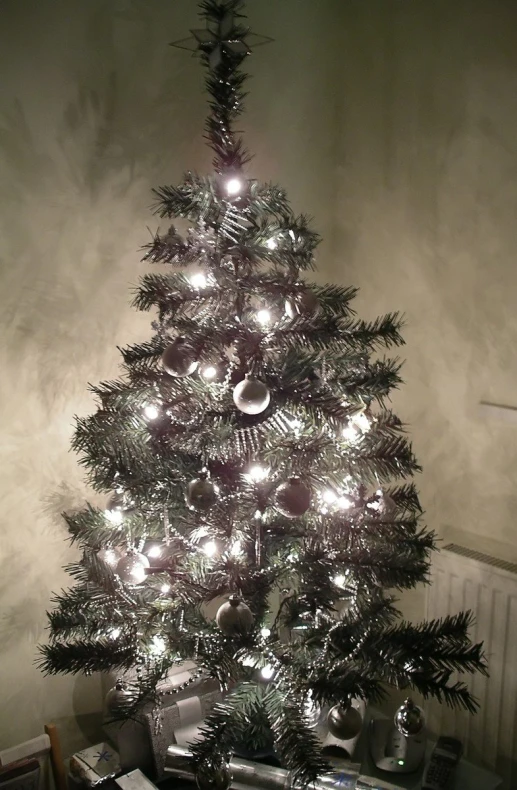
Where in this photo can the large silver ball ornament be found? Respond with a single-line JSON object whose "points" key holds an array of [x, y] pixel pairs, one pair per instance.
{"points": [[117, 698], [344, 722], [131, 568], [215, 776], [201, 493], [178, 359], [293, 498], [251, 396], [234, 616], [409, 719]]}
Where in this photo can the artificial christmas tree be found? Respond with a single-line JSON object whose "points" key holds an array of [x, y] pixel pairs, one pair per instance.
{"points": [[260, 504]]}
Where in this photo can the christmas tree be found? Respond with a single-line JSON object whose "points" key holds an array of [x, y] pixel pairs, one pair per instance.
{"points": [[261, 508]]}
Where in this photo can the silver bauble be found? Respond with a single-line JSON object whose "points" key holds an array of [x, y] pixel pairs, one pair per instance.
{"points": [[201, 493], [214, 776], [303, 304], [293, 498], [234, 616], [131, 568], [178, 359], [409, 719], [344, 722], [251, 396], [116, 501], [117, 698]]}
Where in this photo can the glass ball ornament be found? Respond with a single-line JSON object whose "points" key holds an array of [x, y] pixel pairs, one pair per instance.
{"points": [[409, 719], [131, 568], [304, 304], [201, 493], [234, 616], [344, 722], [118, 698], [214, 776], [179, 359], [251, 396], [293, 498]]}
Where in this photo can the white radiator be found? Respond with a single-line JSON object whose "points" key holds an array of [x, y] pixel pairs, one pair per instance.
{"points": [[465, 579]]}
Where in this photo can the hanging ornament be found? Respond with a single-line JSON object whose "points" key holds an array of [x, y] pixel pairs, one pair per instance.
{"points": [[344, 722], [131, 568], [234, 616], [305, 303], [251, 396], [118, 698], [409, 719], [214, 776], [201, 493], [293, 498], [178, 359]]}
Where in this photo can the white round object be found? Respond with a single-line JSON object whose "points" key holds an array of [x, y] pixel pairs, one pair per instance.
{"points": [[131, 568], [178, 359], [251, 396]]}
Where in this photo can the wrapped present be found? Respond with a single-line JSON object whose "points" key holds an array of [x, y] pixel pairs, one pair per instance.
{"points": [[95, 765], [136, 740], [246, 774], [179, 723]]}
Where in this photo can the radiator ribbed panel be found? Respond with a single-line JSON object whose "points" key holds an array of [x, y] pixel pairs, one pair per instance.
{"points": [[465, 579]]}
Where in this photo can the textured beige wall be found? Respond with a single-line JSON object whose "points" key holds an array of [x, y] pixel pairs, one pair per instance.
{"points": [[427, 225], [94, 110]]}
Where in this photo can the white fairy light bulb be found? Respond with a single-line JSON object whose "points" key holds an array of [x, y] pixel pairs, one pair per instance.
{"points": [[264, 316], [210, 548], [329, 496], [267, 672], [115, 633], [165, 588], [344, 503], [115, 517], [265, 632], [158, 646], [151, 412], [210, 372], [350, 433], [110, 556], [234, 186], [362, 422], [154, 551], [257, 473], [198, 280], [272, 243], [339, 580]]}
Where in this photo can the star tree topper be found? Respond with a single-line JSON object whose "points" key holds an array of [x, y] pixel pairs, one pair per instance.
{"points": [[225, 37]]}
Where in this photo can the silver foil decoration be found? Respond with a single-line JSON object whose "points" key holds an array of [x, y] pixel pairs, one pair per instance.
{"points": [[179, 763]]}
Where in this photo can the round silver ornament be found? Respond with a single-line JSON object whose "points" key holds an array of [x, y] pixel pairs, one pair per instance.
{"points": [[251, 396], [344, 722], [131, 568], [234, 616], [216, 776], [117, 698], [409, 719], [201, 493], [178, 359], [293, 498], [116, 501], [305, 304]]}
